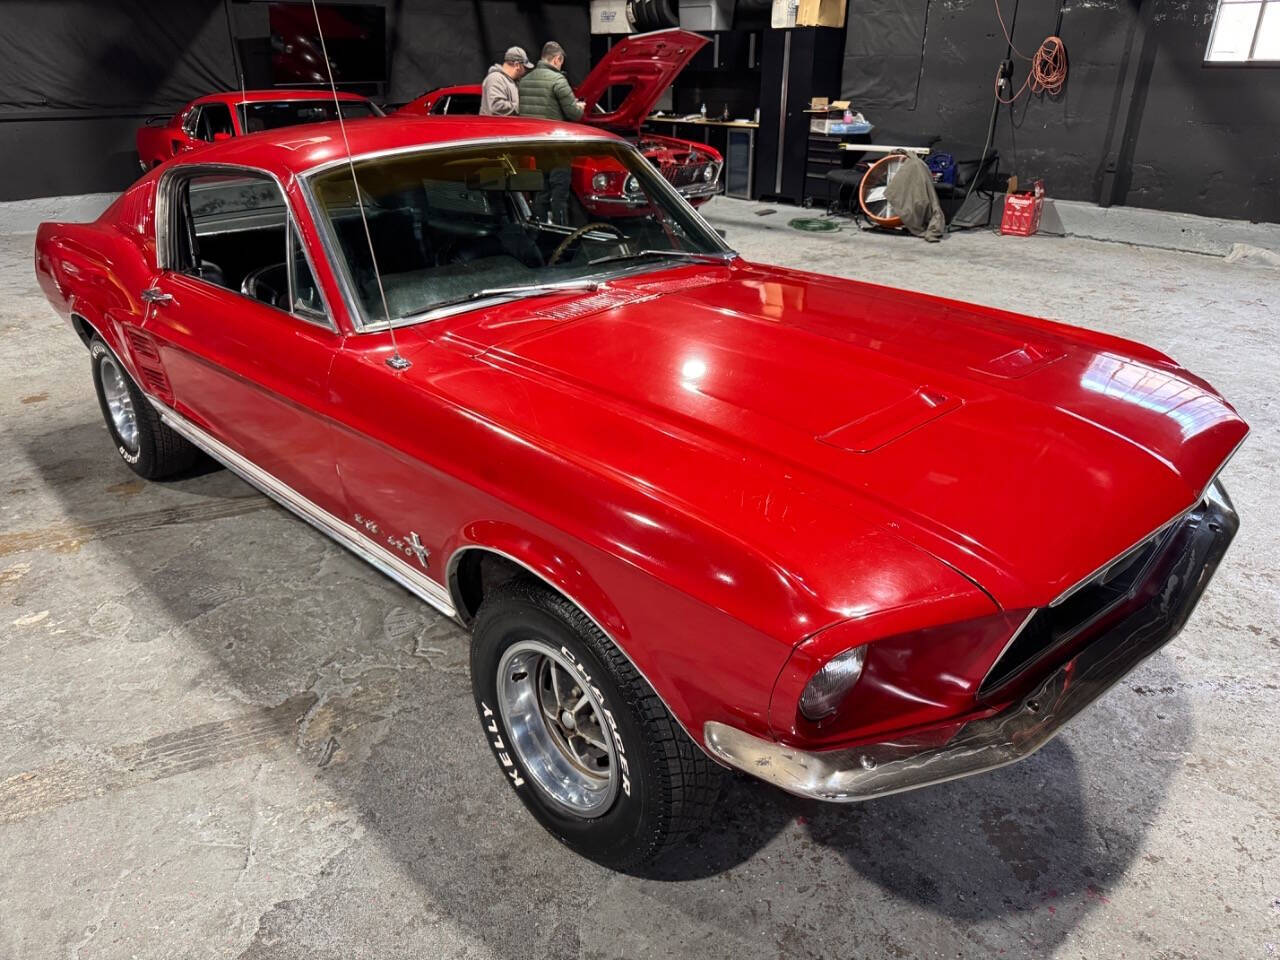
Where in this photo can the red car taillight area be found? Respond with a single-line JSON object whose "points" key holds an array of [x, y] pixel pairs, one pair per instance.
{"points": [[845, 684]]}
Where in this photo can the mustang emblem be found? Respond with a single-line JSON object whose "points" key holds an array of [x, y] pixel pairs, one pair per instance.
{"points": [[416, 545]]}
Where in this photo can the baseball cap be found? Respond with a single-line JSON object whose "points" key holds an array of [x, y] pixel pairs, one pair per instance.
{"points": [[517, 55]]}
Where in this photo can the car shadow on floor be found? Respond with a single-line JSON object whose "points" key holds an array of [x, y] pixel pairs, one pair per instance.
{"points": [[1040, 835]]}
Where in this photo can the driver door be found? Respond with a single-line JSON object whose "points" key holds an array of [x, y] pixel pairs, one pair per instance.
{"points": [[241, 329]]}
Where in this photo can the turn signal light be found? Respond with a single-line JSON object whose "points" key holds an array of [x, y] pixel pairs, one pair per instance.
{"points": [[826, 688]]}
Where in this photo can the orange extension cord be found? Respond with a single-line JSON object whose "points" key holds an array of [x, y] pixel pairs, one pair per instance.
{"points": [[1048, 72]]}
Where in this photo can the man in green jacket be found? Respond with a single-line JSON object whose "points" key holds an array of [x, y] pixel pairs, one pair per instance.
{"points": [[545, 90], [545, 93]]}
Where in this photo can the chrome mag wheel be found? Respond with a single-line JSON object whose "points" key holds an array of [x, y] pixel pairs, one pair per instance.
{"points": [[119, 402], [557, 728]]}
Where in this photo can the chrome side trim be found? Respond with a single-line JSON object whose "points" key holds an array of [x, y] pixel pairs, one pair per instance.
{"points": [[450, 577], [384, 560]]}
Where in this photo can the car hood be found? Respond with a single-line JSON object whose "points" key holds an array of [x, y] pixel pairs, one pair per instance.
{"points": [[644, 62], [1023, 453]]}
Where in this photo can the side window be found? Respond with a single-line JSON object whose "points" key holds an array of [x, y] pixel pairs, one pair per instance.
{"points": [[234, 231], [191, 125], [215, 118], [440, 106]]}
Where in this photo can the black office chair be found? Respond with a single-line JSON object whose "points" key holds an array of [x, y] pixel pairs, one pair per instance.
{"points": [[980, 206]]}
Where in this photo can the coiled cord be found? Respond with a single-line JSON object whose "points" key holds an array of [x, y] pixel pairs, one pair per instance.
{"points": [[1048, 70]]}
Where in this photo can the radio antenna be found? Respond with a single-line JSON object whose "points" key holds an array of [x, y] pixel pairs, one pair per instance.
{"points": [[235, 59], [395, 361]]}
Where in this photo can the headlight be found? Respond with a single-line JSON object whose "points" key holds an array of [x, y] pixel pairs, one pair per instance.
{"points": [[709, 174], [600, 182], [826, 688], [631, 185]]}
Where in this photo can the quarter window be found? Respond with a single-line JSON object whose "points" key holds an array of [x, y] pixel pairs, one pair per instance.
{"points": [[1245, 31]]}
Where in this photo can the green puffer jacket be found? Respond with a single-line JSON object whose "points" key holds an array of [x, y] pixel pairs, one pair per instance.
{"points": [[545, 92]]}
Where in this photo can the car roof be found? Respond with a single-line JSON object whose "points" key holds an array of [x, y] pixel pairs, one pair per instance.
{"points": [[288, 151], [275, 96]]}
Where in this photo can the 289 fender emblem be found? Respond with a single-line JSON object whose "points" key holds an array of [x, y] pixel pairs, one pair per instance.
{"points": [[500, 748]]}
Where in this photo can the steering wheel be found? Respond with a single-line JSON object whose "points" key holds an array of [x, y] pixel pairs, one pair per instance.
{"points": [[574, 237], [259, 284]]}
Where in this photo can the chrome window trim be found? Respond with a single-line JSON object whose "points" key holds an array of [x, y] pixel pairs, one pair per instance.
{"points": [[338, 262], [409, 577], [164, 191], [450, 578]]}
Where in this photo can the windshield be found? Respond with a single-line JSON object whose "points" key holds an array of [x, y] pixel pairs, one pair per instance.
{"points": [[256, 117], [464, 223]]}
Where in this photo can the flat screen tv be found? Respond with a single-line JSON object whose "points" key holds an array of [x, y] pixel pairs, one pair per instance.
{"points": [[354, 34]]}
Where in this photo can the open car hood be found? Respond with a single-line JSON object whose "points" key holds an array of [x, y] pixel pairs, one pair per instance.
{"points": [[646, 63]]}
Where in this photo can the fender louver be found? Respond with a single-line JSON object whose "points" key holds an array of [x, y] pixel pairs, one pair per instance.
{"points": [[146, 359]]}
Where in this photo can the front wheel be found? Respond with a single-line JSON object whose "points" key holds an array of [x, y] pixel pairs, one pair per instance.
{"points": [[584, 741]]}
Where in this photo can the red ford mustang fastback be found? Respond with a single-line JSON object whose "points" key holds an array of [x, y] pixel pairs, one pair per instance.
{"points": [[221, 116], [696, 512]]}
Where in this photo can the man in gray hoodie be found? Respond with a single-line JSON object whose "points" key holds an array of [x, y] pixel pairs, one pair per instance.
{"points": [[500, 97]]}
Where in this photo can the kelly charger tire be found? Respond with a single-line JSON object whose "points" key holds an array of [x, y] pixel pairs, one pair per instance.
{"points": [[666, 786], [156, 451]]}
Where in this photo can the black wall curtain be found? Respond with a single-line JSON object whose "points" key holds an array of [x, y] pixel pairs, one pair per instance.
{"points": [[883, 52], [100, 57]]}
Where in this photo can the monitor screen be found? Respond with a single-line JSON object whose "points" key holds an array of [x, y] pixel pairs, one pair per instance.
{"points": [[355, 36]]}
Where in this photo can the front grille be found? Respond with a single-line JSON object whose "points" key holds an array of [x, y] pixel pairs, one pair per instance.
{"points": [[684, 174], [1051, 628]]}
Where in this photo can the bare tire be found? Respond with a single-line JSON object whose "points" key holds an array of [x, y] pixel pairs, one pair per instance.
{"points": [[579, 735], [150, 448]]}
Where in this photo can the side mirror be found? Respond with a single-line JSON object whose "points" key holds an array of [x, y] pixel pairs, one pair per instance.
{"points": [[221, 135]]}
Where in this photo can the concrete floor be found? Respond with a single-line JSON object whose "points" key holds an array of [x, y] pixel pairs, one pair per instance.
{"points": [[225, 736]]}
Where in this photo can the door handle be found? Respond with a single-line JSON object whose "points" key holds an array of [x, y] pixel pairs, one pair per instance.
{"points": [[156, 295]]}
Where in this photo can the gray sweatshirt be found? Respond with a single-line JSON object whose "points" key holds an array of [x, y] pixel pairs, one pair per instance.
{"points": [[500, 97]]}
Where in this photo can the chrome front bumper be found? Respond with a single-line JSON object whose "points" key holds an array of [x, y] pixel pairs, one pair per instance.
{"points": [[1179, 577]]}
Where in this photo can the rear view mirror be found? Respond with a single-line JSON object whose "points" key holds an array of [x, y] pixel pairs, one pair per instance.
{"points": [[499, 178]]}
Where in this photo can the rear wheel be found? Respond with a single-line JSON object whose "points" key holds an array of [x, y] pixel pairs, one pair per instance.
{"points": [[579, 735], [150, 448]]}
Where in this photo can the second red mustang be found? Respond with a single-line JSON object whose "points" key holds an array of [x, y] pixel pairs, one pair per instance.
{"points": [[696, 512], [619, 92]]}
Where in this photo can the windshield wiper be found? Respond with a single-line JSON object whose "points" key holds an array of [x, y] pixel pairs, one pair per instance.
{"points": [[677, 254], [526, 290]]}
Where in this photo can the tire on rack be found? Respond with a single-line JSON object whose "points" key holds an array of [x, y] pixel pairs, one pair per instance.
{"points": [[151, 449], [613, 776]]}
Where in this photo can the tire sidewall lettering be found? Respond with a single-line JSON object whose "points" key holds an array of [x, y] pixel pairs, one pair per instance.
{"points": [[98, 350]]}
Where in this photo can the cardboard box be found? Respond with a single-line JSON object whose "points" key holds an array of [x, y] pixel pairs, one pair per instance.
{"points": [[609, 16], [821, 13], [807, 13]]}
